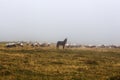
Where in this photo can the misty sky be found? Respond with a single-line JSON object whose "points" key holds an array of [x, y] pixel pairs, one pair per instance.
{"points": [[81, 21]]}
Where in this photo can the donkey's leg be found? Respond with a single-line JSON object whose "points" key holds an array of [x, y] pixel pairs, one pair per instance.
{"points": [[63, 46], [57, 46]]}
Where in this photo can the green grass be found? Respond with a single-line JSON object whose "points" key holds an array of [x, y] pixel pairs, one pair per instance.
{"points": [[51, 64]]}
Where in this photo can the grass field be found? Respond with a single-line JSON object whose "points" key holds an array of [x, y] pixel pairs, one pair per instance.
{"points": [[51, 64]]}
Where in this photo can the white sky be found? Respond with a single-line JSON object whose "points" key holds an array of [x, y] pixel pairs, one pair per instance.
{"points": [[81, 21]]}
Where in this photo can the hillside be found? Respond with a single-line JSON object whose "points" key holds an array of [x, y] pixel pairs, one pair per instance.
{"points": [[51, 64]]}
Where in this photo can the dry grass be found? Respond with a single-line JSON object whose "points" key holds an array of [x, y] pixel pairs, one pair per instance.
{"points": [[51, 64]]}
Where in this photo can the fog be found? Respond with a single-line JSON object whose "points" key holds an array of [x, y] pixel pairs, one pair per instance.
{"points": [[81, 21]]}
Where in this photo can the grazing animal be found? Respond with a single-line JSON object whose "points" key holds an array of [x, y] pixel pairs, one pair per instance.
{"points": [[35, 44], [9, 45], [62, 43], [19, 44], [44, 45]]}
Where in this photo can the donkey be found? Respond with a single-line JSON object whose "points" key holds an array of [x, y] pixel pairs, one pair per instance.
{"points": [[62, 43]]}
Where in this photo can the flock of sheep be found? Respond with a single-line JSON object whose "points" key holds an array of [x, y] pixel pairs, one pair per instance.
{"points": [[22, 44], [37, 44]]}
